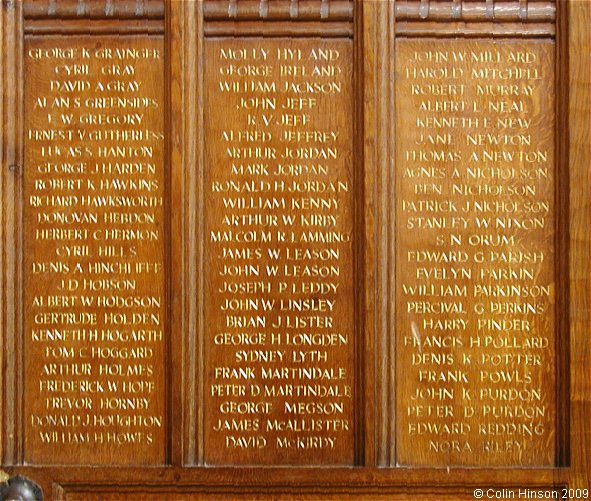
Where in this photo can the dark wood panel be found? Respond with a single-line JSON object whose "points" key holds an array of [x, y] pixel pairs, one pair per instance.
{"points": [[94, 269]]}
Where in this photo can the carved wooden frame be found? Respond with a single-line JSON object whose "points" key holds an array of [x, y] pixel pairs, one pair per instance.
{"points": [[374, 28]]}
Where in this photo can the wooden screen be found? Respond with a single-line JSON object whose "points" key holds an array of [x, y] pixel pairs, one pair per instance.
{"points": [[295, 249]]}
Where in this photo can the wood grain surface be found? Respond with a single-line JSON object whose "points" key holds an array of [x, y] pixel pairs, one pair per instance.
{"points": [[377, 457], [280, 342]]}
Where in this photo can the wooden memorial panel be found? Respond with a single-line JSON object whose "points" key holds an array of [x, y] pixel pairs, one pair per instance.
{"points": [[280, 308], [475, 329], [94, 274]]}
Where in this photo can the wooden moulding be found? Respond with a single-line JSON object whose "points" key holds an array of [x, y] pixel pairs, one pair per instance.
{"points": [[38, 74], [100, 26], [230, 484], [480, 29], [579, 141], [379, 257], [278, 29], [564, 177], [278, 18], [424, 19], [377, 22], [186, 69], [11, 153]]}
